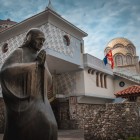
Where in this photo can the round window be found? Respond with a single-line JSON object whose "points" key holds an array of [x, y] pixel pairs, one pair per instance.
{"points": [[122, 84]]}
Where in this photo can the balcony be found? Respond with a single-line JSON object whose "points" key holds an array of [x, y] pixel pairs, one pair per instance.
{"points": [[97, 64]]}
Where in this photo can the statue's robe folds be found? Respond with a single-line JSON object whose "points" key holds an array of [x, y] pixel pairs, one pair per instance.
{"points": [[28, 112]]}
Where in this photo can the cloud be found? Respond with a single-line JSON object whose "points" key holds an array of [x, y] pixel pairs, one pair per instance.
{"points": [[103, 20], [20, 10]]}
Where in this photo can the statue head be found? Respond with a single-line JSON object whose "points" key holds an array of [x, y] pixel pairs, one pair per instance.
{"points": [[34, 39]]}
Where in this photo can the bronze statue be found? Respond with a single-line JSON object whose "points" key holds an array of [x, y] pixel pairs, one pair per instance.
{"points": [[25, 79]]}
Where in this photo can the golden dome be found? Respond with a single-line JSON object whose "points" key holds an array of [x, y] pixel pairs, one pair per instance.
{"points": [[121, 51], [120, 45], [116, 41]]}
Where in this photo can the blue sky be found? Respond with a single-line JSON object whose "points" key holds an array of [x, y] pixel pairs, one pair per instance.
{"points": [[103, 20]]}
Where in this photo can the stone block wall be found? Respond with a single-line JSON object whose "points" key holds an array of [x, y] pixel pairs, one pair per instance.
{"points": [[100, 122], [115, 121], [2, 118], [72, 116], [85, 111]]}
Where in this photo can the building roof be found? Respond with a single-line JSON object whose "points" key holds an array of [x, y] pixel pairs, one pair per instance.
{"points": [[2, 29], [120, 46], [119, 40], [133, 90], [8, 21], [49, 6], [37, 20], [127, 74]]}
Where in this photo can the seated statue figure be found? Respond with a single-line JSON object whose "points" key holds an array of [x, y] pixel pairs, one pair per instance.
{"points": [[25, 80]]}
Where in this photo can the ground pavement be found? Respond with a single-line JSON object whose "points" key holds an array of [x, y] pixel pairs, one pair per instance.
{"points": [[66, 135]]}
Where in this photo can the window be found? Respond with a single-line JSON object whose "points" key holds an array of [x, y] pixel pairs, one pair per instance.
{"points": [[129, 60], [118, 45], [89, 71], [101, 80], [92, 72], [121, 84], [5, 47], [97, 79], [130, 49], [81, 46], [119, 60], [66, 40], [105, 81]]}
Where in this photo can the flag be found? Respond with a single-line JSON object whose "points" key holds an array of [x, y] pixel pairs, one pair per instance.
{"points": [[110, 58], [105, 60]]}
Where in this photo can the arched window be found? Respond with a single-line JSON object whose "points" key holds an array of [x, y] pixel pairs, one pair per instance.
{"points": [[89, 71], [82, 49], [97, 79], [92, 72], [105, 81], [5, 47], [101, 79], [129, 60], [118, 45], [130, 49], [119, 60], [66, 40]]}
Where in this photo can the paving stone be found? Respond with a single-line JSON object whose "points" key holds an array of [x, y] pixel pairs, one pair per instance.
{"points": [[66, 135]]}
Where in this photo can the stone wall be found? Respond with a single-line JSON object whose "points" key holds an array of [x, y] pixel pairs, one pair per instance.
{"points": [[100, 122], [111, 121], [2, 118], [115, 121], [85, 111], [80, 111]]}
